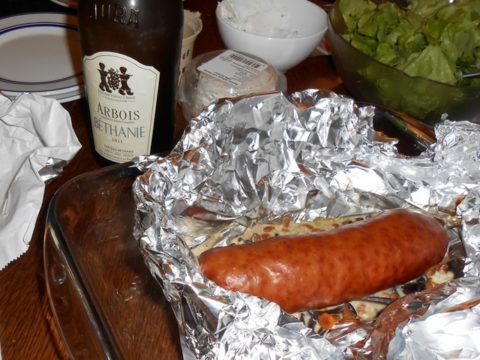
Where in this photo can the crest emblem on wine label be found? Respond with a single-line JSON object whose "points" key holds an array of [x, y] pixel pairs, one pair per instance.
{"points": [[114, 79]]}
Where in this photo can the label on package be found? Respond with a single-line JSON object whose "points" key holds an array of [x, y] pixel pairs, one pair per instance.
{"points": [[122, 96], [233, 67]]}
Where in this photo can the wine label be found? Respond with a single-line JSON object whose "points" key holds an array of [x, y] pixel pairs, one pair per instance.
{"points": [[233, 67], [122, 97]]}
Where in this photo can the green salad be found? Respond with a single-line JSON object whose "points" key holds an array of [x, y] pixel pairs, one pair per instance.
{"points": [[434, 39]]}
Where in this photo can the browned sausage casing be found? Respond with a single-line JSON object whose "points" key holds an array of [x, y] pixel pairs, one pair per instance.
{"points": [[316, 270]]}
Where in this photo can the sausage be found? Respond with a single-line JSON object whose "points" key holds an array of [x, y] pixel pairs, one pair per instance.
{"points": [[316, 270]]}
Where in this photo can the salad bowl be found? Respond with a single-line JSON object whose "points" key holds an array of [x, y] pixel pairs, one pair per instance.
{"points": [[368, 77]]}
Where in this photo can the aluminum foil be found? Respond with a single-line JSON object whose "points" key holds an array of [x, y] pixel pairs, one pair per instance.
{"points": [[309, 155]]}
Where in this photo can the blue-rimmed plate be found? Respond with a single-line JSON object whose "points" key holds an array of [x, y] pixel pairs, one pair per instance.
{"points": [[40, 53]]}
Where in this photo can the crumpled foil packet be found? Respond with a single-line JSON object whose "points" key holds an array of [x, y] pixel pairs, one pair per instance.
{"points": [[310, 155]]}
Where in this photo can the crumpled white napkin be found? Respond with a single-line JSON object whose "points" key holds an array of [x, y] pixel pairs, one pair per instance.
{"points": [[36, 140]]}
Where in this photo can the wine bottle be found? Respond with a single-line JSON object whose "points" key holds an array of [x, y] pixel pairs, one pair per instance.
{"points": [[131, 54]]}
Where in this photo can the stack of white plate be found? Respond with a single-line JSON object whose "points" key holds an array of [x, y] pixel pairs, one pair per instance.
{"points": [[40, 53]]}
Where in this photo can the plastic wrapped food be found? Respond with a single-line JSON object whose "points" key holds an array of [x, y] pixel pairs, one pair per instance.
{"points": [[222, 74]]}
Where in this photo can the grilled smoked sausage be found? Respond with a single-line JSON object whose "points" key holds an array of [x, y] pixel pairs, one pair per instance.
{"points": [[316, 270]]}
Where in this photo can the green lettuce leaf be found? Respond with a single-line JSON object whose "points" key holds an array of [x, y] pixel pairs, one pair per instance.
{"points": [[352, 10], [432, 64]]}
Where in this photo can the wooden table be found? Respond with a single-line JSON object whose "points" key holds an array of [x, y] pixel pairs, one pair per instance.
{"points": [[27, 327]]}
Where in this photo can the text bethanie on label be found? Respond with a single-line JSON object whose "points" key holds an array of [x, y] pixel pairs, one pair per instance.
{"points": [[118, 131]]}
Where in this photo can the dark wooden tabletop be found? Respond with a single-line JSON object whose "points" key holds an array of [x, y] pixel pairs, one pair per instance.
{"points": [[27, 327]]}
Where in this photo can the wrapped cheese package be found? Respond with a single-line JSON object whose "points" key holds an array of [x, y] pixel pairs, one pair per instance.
{"points": [[225, 74]]}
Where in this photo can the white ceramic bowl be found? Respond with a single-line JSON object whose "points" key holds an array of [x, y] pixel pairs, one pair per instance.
{"points": [[309, 21]]}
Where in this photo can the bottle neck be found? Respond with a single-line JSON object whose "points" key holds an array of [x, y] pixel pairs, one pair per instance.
{"points": [[115, 12]]}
